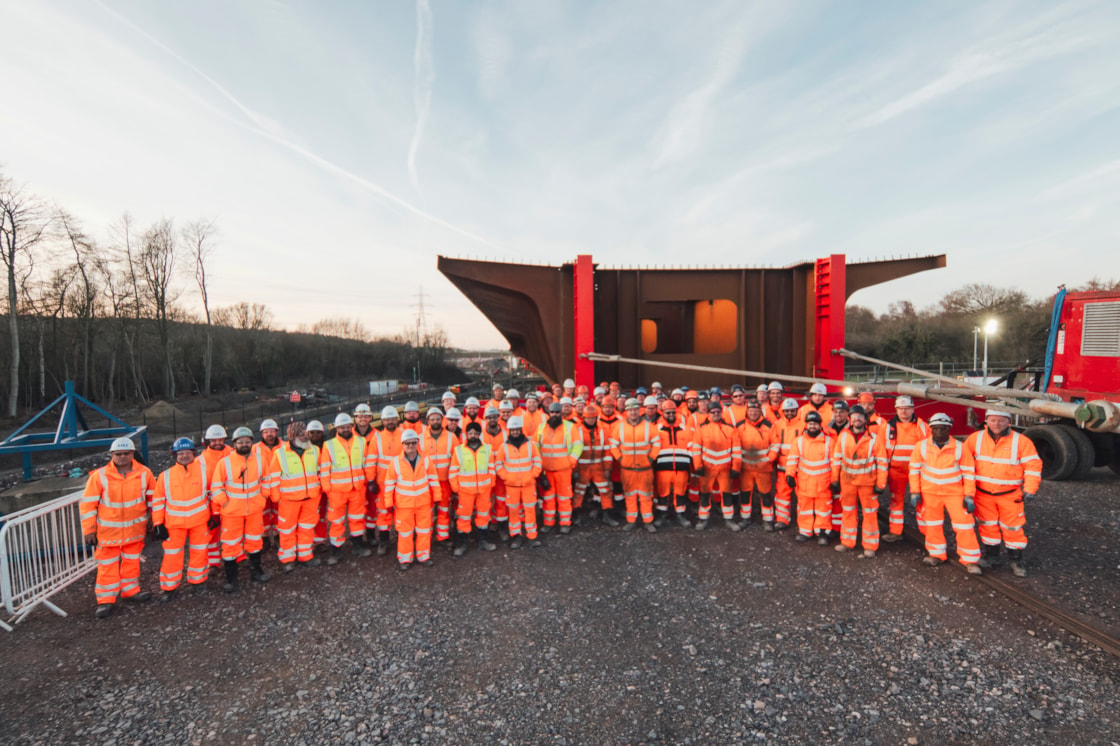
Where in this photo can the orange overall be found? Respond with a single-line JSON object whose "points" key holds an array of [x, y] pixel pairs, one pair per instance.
{"points": [[674, 466], [635, 448], [238, 496], [114, 506], [859, 464], [182, 504], [293, 484], [716, 453], [209, 458], [518, 465], [1005, 469], [810, 463], [472, 477], [944, 476], [342, 475], [594, 467], [782, 434], [410, 491], [899, 438], [438, 449], [757, 470], [560, 449]]}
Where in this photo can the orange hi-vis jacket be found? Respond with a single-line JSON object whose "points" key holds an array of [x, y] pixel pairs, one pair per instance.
{"points": [[439, 451], [735, 414], [810, 460], [899, 438], [772, 414], [495, 403], [519, 466], [946, 472], [825, 411], [471, 470], [388, 448], [373, 454], [675, 451], [636, 447], [610, 424], [860, 461], [238, 488], [342, 464], [210, 458], [494, 441], [1005, 466], [689, 420], [292, 476], [261, 449], [560, 447], [782, 435], [533, 420], [716, 446], [182, 497], [115, 506], [754, 440], [417, 426], [408, 486]]}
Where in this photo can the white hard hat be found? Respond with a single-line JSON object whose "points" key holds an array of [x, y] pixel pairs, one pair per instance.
{"points": [[515, 423], [362, 409], [941, 419], [242, 432], [390, 413], [411, 406], [789, 404], [569, 383], [903, 401], [761, 387], [632, 403], [513, 394], [409, 435], [497, 386], [655, 385], [566, 400], [122, 444], [214, 432], [435, 411], [447, 395], [818, 388], [453, 414], [269, 425], [315, 427], [505, 404], [472, 401], [775, 386], [674, 392], [599, 391], [491, 412], [342, 418], [532, 395], [997, 413], [650, 401]]}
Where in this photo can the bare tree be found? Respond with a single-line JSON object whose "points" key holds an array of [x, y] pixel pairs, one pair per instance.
{"points": [[86, 295], [23, 224], [122, 232], [979, 298], [157, 264], [199, 236], [45, 300], [249, 317]]}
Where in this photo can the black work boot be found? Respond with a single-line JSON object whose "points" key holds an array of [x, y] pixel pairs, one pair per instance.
{"points": [[485, 541], [461, 542], [989, 555], [257, 574], [610, 520], [1015, 563], [682, 520], [336, 555], [231, 585], [382, 543], [358, 546]]}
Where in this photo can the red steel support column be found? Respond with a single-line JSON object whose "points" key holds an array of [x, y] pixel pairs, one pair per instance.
{"points": [[584, 305], [829, 327]]}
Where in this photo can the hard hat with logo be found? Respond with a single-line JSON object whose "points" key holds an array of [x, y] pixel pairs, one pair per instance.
{"points": [[390, 413], [121, 445], [411, 406], [903, 401], [315, 427], [515, 423], [997, 413], [818, 388], [242, 432], [491, 411], [775, 386], [941, 419], [181, 444], [215, 432], [409, 436], [789, 404], [813, 417], [505, 404], [632, 403], [268, 425], [342, 418], [841, 405], [362, 408]]}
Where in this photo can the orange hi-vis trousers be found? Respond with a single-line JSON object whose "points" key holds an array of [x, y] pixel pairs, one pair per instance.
{"points": [[196, 540], [473, 503], [242, 534], [755, 483], [297, 522], [783, 499], [856, 499], [346, 509], [592, 474], [897, 483], [673, 484], [932, 519], [1001, 517], [118, 571], [414, 534], [558, 498], [444, 508], [814, 511], [521, 506], [637, 489], [323, 524]]}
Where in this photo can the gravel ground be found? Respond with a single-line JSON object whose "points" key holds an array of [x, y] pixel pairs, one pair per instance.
{"points": [[598, 637]]}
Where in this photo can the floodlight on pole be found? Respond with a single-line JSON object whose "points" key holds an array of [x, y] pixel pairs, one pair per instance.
{"points": [[990, 327]]}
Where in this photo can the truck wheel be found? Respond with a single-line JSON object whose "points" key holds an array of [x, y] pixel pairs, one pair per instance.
{"points": [[1086, 454], [1115, 463], [1056, 449], [1103, 445]]}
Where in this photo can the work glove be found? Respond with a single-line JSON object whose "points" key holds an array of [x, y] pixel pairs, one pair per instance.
{"points": [[1028, 496], [969, 504], [735, 474], [544, 484], [791, 481], [915, 498], [702, 471], [90, 539], [882, 492], [371, 488], [835, 486], [214, 522], [161, 532]]}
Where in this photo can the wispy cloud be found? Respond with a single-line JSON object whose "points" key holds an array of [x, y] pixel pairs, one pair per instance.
{"points": [[493, 51], [424, 76]]}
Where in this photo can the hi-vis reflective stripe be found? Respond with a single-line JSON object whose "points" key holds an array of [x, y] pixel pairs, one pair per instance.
{"points": [[944, 475], [184, 508], [813, 467], [287, 476], [865, 465], [121, 505], [473, 467], [246, 489], [346, 464], [517, 465]]}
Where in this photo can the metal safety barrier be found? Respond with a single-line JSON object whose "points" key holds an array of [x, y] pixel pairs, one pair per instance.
{"points": [[41, 552]]}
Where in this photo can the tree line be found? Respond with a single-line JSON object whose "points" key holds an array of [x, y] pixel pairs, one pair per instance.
{"points": [[130, 318], [944, 331]]}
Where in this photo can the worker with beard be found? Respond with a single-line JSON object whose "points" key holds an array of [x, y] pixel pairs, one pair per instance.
{"points": [[437, 443], [293, 481], [717, 457], [782, 434], [411, 488], [593, 472], [859, 474], [494, 435], [519, 466], [635, 447], [809, 474], [472, 476], [214, 450], [342, 473], [239, 502], [673, 467], [363, 428], [317, 434], [756, 478], [560, 449], [388, 447], [270, 438]]}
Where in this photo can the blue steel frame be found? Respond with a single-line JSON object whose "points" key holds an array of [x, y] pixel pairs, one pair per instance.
{"points": [[72, 432]]}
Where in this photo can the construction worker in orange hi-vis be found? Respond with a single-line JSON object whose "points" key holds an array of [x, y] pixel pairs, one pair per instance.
{"points": [[412, 418], [181, 518], [342, 475], [270, 438], [736, 412], [610, 418], [775, 398], [411, 489], [494, 435], [533, 416], [472, 411], [114, 510], [513, 396], [519, 465], [673, 467], [691, 418], [363, 428], [498, 397], [388, 447], [818, 393], [900, 434], [317, 434], [293, 482], [717, 457], [593, 472], [447, 401], [1008, 472], [472, 478], [437, 444], [809, 473], [762, 396], [560, 447], [635, 447], [866, 400], [756, 474], [782, 434], [214, 450], [841, 417], [943, 480], [859, 474], [453, 423], [652, 409], [238, 500]]}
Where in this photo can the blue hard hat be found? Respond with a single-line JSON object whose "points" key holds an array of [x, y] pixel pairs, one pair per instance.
{"points": [[715, 391], [685, 388], [182, 444], [641, 390]]}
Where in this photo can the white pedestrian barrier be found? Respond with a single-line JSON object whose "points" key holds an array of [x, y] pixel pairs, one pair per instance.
{"points": [[41, 552]]}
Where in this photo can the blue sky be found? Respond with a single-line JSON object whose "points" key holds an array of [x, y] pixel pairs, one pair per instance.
{"points": [[341, 146]]}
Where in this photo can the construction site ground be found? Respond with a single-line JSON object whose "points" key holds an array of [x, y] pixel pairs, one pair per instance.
{"points": [[597, 637]]}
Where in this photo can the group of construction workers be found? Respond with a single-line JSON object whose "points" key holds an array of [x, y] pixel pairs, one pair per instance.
{"points": [[480, 474]]}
